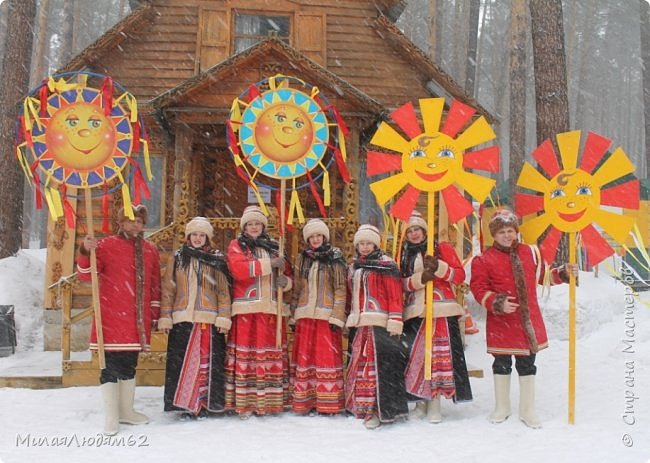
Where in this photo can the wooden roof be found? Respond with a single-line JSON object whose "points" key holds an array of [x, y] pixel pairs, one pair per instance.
{"points": [[142, 17], [110, 39], [276, 49], [420, 60]]}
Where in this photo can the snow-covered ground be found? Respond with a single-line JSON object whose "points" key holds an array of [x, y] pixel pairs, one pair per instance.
{"points": [[612, 420]]}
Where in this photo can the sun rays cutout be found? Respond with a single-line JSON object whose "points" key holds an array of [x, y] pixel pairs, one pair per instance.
{"points": [[433, 159], [569, 195]]}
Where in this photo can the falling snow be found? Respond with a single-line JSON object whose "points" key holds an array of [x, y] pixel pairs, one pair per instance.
{"points": [[612, 400]]}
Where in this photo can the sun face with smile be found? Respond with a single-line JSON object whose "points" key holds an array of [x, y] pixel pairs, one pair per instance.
{"points": [[566, 194], [284, 132], [81, 137], [432, 159], [431, 162], [77, 143], [572, 198]]}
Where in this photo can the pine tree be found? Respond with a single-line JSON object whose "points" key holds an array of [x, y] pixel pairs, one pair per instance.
{"points": [[15, 85]]}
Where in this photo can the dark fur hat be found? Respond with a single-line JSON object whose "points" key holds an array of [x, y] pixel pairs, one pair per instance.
{"points": [[503, 218], [138, 211]]}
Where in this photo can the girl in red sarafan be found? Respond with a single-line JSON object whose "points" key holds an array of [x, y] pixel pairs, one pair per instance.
{"points": [[504, 281], [318, 309], [374, 384], [449, 377], [257, 372]]}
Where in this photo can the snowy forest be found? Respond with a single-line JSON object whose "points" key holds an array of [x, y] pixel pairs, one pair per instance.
{"points": [[534, 68], [484, 45]]}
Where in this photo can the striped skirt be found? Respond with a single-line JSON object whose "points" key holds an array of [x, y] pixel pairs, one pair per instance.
{"points": [[374, 382], [317, 367], [449, 376], [194, 376], [257, 373]]}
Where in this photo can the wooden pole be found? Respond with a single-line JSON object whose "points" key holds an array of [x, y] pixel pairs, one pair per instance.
{"points": [[95, 282], [282, 229], [572, 329], [428, 327]]}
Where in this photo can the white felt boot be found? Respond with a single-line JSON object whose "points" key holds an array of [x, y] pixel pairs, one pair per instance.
{"points": [[419, 411], [110, 393], [433, 410], [373, 422], [127, 395], [502, 399], [527, 402]]}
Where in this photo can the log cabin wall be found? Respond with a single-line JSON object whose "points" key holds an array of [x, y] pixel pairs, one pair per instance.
{"points": [[165, 50]]}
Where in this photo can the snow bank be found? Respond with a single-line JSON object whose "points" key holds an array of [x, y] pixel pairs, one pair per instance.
{"points": [[22, 285]]}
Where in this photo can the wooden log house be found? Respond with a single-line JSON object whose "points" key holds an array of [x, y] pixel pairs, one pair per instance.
{"points": [[185, 61]]}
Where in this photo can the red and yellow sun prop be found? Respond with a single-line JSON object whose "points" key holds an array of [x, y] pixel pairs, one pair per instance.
{"points": [[283, 128], [570, 196], [433, 159], [73, 135]]}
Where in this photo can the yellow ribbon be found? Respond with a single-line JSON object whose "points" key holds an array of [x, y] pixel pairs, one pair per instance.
{"points": [[126, 198], [272, 83], [327, 196], [295, 208], [50, 203], [58, 203], [30, 109], [22, 160], [260, 201], [59, 86], [235, 115], [133, 107], [342, 148], [395, 225], [147, 160]]}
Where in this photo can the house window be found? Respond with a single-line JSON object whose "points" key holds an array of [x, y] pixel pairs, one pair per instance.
{"points": [[252, 28], [155, 204]]}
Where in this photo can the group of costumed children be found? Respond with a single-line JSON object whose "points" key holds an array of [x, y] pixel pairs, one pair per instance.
{"points": [[220, 312]]}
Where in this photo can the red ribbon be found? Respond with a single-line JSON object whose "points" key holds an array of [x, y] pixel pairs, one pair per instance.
{"points": [[232, 138], [139, 184], [38, 194], [107, 95], [43, 94], [314, 192], [253, 92], [136, 137], [67, 208], [285, 226], [20, 130], [26, 134], [241, 174], [339, 120], [340, 163]]}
